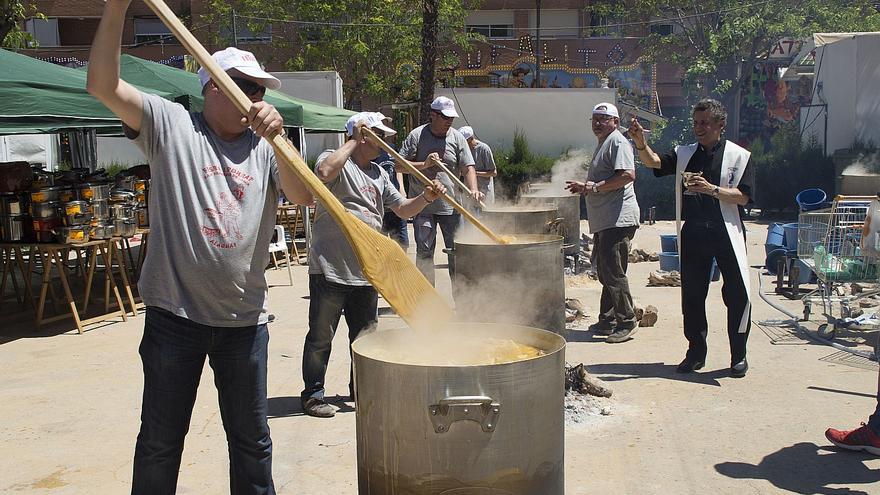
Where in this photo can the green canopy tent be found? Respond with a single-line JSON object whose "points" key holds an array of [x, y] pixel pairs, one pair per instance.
{"points": [[185, 88], [41, 97]]}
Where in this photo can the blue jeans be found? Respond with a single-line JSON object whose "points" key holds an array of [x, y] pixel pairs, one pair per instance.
{"points": [[173, 352], [395, 227], [425, 229], [327, 300]]}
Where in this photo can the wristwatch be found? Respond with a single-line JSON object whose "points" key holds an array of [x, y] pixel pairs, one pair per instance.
{"points": [[716, 191], [595, 188]]}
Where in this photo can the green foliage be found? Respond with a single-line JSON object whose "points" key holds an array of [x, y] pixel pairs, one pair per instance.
{"points": [[710, 35], [379, 57], [786, 167], [12, 15], [518, 165]]}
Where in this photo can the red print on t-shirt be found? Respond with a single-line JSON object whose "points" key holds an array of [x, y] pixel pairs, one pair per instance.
{"points": [[222, 223]]}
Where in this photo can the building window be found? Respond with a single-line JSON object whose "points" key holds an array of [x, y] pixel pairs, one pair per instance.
{"points": [[662, 29], [44, 32], [148, 30], [605, 26], [492, 31], [556, 23], [244, 34]]}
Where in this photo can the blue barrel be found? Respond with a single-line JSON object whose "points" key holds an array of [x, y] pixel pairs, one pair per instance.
{"points": [[668, 262], [773, 258], [811, 199], [669, 243], [791, 236]]}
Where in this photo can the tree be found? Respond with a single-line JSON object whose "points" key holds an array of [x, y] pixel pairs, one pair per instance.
{"points": [[711, 35], [430, 29], [374, 45], [12, 14]]}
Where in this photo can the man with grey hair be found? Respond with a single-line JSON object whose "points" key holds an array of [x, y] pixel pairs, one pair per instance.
{"points": [[719, 181], [614, 218]]}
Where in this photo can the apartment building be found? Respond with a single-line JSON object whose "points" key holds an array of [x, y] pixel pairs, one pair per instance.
{"points": [[578, 50]]}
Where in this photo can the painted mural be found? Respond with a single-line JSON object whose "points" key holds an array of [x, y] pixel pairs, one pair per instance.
{"points": [[767, 101], [578, 63]]}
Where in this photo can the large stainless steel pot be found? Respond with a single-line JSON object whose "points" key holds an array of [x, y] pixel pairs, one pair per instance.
{"points": [[569, 207], [50, 209], [125, 227], [521, 283], [12, 227], [100, 209], [77, 213], [542, 219], [437, 429], [94, 191]]}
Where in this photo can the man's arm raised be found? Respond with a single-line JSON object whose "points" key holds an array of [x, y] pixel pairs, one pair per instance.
{"points": [[103, 82]]}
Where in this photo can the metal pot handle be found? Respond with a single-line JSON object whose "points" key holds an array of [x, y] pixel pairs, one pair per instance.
{"points": [[478, 408], [555, 226]]}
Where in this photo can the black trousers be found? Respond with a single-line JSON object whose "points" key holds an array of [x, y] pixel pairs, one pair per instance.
{"points": [[611, 255], [700, 243]]}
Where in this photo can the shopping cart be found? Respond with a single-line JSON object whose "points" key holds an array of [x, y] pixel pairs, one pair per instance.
{"points": [[829, 244]]}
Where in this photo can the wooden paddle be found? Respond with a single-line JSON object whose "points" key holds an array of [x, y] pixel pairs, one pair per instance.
{"points": [[425, 180], [384, 263], [466, 189]]}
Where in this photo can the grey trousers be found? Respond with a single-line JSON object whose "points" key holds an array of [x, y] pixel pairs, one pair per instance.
{"points": [[611, 257]]}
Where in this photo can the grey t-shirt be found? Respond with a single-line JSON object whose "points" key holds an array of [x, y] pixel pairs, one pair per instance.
{"points": [[455, 153], [212, 214], [617, 208], [485, 162], [366, 194]]}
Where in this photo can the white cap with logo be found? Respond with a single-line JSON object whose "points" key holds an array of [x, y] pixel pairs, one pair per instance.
{"points": [[244, 62], [466, 131], [606, 109], [373, 121], [445, 106]]}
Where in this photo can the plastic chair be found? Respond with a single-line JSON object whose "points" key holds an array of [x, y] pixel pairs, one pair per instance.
{"points": [[280, 245]]}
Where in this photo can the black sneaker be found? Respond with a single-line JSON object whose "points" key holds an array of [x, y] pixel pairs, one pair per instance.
{"points": [[621, 334], [602, 327], [317, 407]]}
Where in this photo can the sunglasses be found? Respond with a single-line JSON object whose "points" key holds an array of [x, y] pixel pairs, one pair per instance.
{"points": [[441, 115], [249, 87]]}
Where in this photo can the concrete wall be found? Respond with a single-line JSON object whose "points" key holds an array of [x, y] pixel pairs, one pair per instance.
{"points": [[33, 148], [320, 87], [552, 119], [848, 73]]}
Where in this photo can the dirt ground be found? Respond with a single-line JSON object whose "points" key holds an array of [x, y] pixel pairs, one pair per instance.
{"points": [[69, 404]]}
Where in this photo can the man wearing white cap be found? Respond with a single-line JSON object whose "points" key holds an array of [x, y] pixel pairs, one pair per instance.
{"points": [[439, 140], [215, 188], [614, 217], [336, 282], [484, 164]]}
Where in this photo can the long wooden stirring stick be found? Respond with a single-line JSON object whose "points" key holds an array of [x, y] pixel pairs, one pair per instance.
{"points": [[425, 180], [439, 163], [384, 263]]}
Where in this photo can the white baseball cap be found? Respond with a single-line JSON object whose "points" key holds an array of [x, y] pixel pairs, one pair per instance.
{"points": [[445, 106], [466, 131], [244, 62], [373, 121], [606, 109]]}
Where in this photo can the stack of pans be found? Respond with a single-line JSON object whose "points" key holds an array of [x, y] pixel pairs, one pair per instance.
{"points": [[96, 195], [141, 189], [46, 211], [123, 205]]}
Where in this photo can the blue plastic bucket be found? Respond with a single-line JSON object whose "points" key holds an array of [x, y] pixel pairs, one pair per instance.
{"points": [[669, 243], [668, 262], [811, 199], [775, 235], [791, 236], [805, 273]]}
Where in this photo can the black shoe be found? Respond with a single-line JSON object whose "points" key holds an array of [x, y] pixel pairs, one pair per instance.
{"points": [[690, 365], [602, 327], [739, 369], [317, 407], [622, 334]]}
